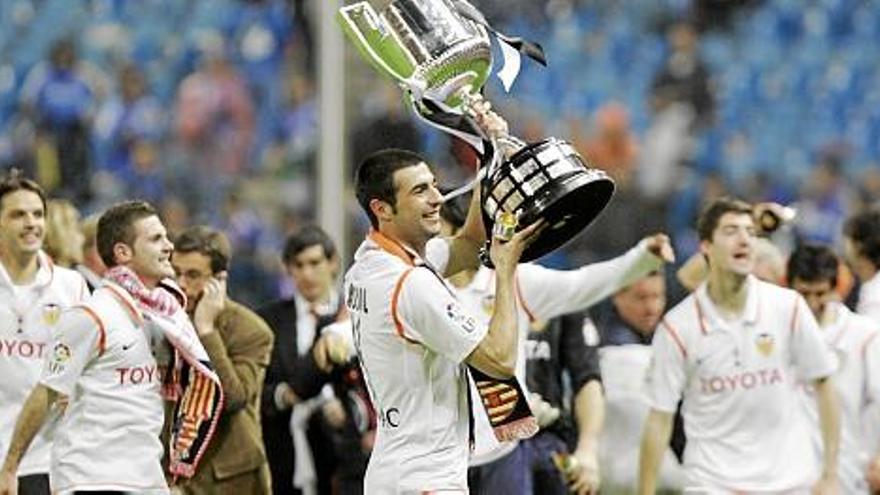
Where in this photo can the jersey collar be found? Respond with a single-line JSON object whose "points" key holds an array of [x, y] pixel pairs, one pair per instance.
{"points": [[395, 248], [707, 313], [45, 272], [125, 300]]}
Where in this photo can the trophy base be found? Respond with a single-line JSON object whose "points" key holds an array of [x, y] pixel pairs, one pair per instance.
{"points": [[546, 180], [566, 214]]}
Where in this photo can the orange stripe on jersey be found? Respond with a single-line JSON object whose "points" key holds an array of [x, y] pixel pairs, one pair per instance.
{"points": [[675, 337], [522, 300], [794, 315], [700, 317], [392, 246], [135, 314], [102, 339], [395, 297]]}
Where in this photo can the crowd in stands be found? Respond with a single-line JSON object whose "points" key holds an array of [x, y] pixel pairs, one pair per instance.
{"points": [[208, 109]]}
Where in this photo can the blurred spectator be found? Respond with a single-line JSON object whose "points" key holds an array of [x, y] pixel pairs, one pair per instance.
{"points": [[824, 203], [862, 247], [247, 231], [215, 116], [61, 101], [64, 238], [684, 78], [622, 223], [259, 31], [388, 126], [623, 328], [92, 267], [297, 128], [612, 146], [124, 122], [711, 14], [300, 455], [633, 313], [667, 147]]}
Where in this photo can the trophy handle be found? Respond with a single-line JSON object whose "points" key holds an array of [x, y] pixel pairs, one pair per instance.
{"points": [[363, 27]]}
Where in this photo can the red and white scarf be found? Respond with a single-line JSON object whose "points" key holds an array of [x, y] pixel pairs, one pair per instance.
{"points": [[190, 381]]}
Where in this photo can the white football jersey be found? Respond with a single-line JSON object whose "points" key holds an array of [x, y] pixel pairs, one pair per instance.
{"points": [[746, 429], [103, 359], [853, 338], [543, 294], [28, 317], [412, 337]]}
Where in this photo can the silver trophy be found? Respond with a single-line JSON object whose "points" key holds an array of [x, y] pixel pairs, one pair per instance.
{"points": [[439, 52]]}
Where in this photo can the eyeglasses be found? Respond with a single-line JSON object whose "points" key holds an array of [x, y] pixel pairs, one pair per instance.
{"points": [[193, 275]]}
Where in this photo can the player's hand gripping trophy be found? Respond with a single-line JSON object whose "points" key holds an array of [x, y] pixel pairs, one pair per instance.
{"points": [[440, 54]]}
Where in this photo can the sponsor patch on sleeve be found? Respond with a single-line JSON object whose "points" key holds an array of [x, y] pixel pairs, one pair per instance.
{"points": [[458, 317]]}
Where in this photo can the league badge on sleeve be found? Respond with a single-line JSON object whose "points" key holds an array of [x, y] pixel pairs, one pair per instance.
{"points": [[60, 356], [466, 322]]}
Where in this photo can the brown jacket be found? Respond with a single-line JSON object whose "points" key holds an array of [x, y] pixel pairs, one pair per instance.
{"points": [[235, 461]]}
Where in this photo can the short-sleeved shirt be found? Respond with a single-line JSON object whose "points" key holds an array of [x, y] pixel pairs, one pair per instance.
{"points": [[28, 317], [745, 426], [103, 359], [854, 339], [412, 336], [543, 294], [869, 298]]}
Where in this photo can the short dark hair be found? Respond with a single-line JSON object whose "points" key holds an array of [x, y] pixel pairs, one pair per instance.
{"points": [[16, 182], [304, 238], [713, 212], [117, 225], [812, 263], [863, 229], [374, 178], [207, 241]]}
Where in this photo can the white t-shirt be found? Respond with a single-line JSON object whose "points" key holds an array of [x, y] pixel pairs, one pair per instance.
{"points": [[102, 359], [854, 339], [626, 409], [28, 316], [745, 426], [412, 337], [543, 294], [869, 298]]}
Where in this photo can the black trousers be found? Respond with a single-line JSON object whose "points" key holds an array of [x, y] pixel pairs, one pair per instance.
{"points": [[34, 484]]}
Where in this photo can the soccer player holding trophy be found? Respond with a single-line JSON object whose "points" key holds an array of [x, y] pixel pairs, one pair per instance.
{"points": [[439, 53]]}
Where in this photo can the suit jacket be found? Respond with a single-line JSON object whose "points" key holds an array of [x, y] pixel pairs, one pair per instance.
{"points": [[240, 350], [301, 373]]}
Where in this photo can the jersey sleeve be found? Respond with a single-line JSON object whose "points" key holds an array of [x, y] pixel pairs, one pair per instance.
{"points": [[812, 357], [871, 353], [425, 311], [547, 293], [666, 377], [78, 339], [437, 253], [580, 355]]}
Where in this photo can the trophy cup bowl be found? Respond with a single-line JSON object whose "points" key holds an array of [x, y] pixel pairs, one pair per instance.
{"points": [[547, 180], [444, 58]]}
